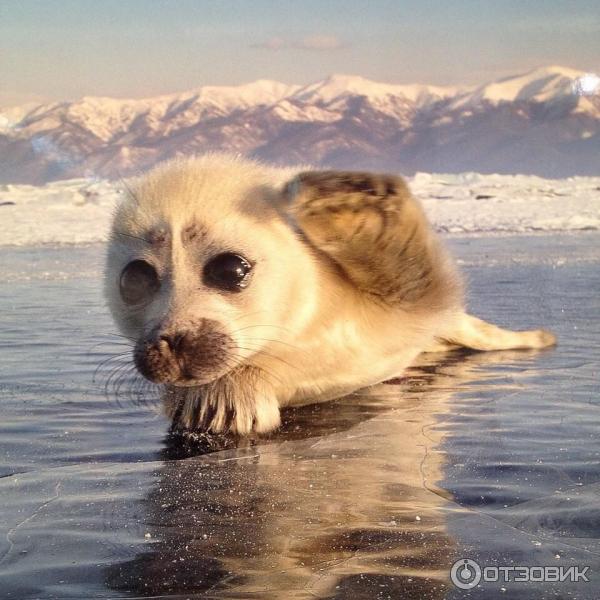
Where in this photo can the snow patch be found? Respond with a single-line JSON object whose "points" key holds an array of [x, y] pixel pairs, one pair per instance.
{"points": [[79, 211], [545, 84], [486, 204]]}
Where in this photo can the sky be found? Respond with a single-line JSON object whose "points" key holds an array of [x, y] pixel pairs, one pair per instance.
{"points": [[64, 49]]}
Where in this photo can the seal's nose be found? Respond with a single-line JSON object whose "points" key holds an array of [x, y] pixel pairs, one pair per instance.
{"points": [[173, 341], [173, 353]]}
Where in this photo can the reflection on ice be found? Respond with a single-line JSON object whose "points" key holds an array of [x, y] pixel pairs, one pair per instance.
{"points": [[343, 502], [488, 456]]}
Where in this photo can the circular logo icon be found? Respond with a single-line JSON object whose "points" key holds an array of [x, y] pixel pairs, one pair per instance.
{"points": [[465, 573]]}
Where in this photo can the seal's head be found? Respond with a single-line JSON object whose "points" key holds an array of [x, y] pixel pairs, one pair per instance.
{"points": [[199, 266]]}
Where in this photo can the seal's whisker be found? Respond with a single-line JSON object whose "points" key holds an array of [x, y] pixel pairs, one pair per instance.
{"points": [[246, 316], [105, 365], [140, 389], [270, 355], [120, 356], [251, 339], [127, 387], [111, 344], [128, 235], [113, 382], [119, 335], [261, 368], [119, 359], [255, 326]]}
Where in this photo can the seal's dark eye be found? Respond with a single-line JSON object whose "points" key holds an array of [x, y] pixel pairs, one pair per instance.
{"points": [[139, 282], [227, 271]]}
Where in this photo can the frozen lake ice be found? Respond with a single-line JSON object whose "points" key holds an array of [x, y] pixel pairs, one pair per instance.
{"points": [[493, 457], [78, 211]]}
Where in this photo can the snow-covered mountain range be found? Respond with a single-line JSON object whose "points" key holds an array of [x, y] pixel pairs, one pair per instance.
{"points": [[538, 123]]}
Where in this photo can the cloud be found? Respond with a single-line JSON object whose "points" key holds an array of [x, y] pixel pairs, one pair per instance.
{"points": [[317, 43], [275, 43]]}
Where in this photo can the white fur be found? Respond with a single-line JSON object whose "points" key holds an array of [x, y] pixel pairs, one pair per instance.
{"points": [[303, 332]]}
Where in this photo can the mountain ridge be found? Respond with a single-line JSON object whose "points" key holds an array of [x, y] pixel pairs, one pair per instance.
{"points": [[535, 122]]}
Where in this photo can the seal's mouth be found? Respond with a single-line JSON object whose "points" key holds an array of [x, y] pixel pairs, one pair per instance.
{"points": [[184, 357]]}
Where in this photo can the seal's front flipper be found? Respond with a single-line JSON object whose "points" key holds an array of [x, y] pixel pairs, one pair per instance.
{"points": [[470, 332]]}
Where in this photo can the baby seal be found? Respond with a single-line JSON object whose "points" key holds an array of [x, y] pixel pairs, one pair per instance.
{"points": [[249, 288]]}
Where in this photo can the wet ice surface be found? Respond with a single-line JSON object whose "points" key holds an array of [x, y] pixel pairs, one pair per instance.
{"points": [[495, 457]]}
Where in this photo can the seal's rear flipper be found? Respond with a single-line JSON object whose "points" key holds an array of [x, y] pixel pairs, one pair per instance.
{"points": [[376, 232], [470, 332]]}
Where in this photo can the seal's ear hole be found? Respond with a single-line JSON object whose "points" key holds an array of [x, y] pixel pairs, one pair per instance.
{"points": [[227, 271], [139, 281]]}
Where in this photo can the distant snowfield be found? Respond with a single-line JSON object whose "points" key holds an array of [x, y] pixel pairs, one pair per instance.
{"points": [[78, 211], [489, 204]]}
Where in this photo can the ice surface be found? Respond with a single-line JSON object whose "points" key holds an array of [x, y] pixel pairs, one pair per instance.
{"points": [[492, 456], [79, 210], [475, 203], [65, 212]]}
